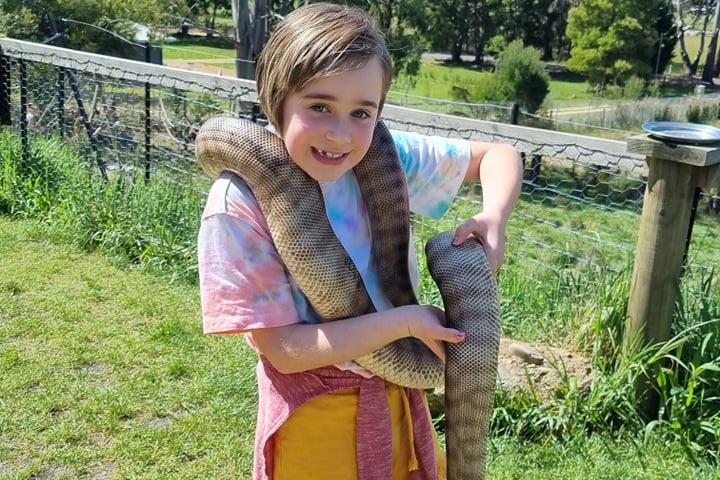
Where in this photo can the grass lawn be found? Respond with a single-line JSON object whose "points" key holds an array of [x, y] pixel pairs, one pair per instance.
{"points": [[106, 374], [199, 49], [436, 79]]}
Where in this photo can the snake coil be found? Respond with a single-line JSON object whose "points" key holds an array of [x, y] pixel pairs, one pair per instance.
{"points": [[293, 206]]}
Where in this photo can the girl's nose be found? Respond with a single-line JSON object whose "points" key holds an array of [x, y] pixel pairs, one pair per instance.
{"points": [[338, 131]]}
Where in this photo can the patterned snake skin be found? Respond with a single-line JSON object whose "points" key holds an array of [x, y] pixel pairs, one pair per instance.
{"points": [[293, 206]]}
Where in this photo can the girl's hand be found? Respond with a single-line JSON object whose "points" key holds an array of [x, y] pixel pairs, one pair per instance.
{"points": [[427, 323], [489, 229]]}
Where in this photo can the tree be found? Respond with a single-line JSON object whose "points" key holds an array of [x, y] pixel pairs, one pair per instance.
{"points": [[486, 15], [109, 32], [206, 11], [460, 26], [692, 15], [709, 70], [668, 37], [400, 20], [521, 76], [250, 19], [538, 23], [613, 40], [448, 25]]}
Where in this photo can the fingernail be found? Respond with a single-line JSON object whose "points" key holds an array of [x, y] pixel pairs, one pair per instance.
{"points": [[460, 335], [455, 241]]}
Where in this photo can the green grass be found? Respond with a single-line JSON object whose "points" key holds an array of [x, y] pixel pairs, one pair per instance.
{"points": [[437, 79], [595, 458], [106, 374], [434, 81], [198, 49]]}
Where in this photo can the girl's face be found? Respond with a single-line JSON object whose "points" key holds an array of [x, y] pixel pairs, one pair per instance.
{"points": [[328, 125]]}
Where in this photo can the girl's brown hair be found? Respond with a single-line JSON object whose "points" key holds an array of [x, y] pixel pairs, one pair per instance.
{"points": [[313, 42]]}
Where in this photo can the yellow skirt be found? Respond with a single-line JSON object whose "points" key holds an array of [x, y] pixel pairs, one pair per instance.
{"points": [[318, 440]]}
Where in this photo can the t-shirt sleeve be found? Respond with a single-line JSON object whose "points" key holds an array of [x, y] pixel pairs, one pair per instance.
{"points": [[243, 283], [435, 168]]}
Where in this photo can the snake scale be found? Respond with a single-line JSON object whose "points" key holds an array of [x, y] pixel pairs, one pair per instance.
{"points": [[293, 206]]}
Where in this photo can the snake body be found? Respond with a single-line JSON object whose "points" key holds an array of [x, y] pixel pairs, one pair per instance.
{"points": [[293, 206]]}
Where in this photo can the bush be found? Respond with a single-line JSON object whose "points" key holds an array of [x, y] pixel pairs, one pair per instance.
{"points": [[700, 112], [521, 76], [634, 88]]}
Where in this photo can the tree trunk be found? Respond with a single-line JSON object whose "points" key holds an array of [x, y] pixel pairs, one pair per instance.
{"points": [[709, 68], [689, 66], [456, 52], [710, 72], [250, 27]]}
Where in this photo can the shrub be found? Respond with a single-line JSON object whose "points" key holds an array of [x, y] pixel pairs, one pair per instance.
{"points": [[699, 112], [634, 88], [521, 76]]}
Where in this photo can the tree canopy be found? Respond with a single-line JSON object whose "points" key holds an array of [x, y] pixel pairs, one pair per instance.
{"points": [[608, 40], [614, 40], [102, 26]]}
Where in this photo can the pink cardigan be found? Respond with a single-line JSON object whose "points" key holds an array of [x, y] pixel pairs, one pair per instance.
{"points": [[280, 394]]}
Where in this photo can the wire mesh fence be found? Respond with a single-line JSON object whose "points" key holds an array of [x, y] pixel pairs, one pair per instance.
{"points": [[579, 209]]}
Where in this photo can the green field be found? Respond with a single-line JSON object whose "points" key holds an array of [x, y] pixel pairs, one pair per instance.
{"points": [[435, 79], [198, 49]]}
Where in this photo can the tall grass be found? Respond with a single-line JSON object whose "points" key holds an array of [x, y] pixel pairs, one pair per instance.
{"points": [[153, 225], [148, 224]]}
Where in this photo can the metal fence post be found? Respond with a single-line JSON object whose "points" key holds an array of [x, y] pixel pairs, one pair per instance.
{"points": [[675, 173], [148, 59], [60, 26], [24, 139], [536, 160], [5, 112], [515, 114]]}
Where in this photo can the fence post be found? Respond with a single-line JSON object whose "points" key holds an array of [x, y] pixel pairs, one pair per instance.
{"points": [[536, 161], [515, 114], [148, 111], [60, 42], [24, 138], [675, 171], [5, 115]]}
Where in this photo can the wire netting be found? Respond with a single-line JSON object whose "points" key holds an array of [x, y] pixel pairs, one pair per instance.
{"points": [[574, 212]]}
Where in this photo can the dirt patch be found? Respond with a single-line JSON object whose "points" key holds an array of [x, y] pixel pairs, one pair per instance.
{"points": [[547, 368], [543, 368]]}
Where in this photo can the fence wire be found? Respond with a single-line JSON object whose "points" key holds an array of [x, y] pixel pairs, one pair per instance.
{"points": [[574, 213]]}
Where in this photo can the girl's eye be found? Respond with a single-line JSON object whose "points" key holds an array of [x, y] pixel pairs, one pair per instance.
{"points": [[319, 108], [361, 114]]}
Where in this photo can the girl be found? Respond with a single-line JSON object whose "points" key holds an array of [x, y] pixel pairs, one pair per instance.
{"points": [[322, 79]]}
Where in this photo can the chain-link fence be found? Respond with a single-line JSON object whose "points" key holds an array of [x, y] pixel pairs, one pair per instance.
{"points": [[579, 209]]}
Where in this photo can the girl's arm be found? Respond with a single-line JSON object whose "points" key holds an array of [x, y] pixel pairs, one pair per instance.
{"points": [[499, 169], [299, 347]]}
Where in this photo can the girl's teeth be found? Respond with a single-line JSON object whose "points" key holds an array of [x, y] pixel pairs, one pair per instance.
{"points": [[330, 155]]}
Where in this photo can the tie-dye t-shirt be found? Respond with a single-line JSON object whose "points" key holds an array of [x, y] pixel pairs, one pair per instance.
{"points": [[243, 282]]}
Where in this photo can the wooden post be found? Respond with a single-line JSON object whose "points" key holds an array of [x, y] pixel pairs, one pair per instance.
{"points": [[675, 171]]}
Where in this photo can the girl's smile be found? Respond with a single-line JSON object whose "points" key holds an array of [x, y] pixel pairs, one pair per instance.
{"points": [[327, 157]]}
